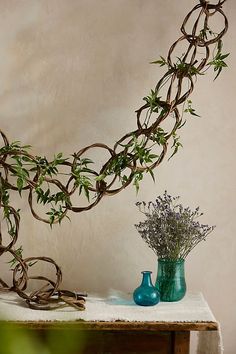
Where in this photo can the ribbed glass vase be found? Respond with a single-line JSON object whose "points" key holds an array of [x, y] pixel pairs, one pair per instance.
{"points": [[171, 279]]}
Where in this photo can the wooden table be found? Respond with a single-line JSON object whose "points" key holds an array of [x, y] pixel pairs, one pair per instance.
{"points": [[117, 336]]}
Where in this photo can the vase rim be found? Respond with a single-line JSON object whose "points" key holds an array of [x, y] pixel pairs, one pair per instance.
{"points": [[169, 260]]}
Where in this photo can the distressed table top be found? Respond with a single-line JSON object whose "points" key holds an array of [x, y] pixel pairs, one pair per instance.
{"points": [[115, 312]]}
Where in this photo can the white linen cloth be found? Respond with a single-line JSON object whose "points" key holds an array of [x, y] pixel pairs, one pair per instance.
{"points": [[120, 306], [210, 342]]}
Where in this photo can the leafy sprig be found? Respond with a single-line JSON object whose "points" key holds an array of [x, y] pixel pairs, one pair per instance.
{"points": [[184, 69], [159, 136], [153, 101], [56, 215], [190, 109], [206, 32], [218, 62], [176, 145], [15, 146], [48, 168], [162, 61], [18, 253], [81, 173]]}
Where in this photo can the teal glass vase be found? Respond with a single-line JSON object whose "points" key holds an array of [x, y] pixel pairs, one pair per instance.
{"points": [[146, 294], [171, 279]]}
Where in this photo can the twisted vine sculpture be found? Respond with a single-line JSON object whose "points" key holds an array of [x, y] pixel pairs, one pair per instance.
{"points": [[137, 152]]}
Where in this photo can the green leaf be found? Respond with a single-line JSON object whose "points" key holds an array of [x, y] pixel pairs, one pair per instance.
{"points": [[224, 56], [124, 179], [26, 159], [153, 156], [14, 261], [86, 191], [180, 125], [100, 177], [176, 145], [219, 71], [138, 176], [161, 61], [149, 170], [19, 183], [59, 156], [26, 147]]}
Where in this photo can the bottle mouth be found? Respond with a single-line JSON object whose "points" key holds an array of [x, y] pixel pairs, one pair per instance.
{"points": [[146, 272]]}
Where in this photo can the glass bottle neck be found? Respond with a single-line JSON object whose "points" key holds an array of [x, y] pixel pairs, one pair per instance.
{"points": [[147, 281]]}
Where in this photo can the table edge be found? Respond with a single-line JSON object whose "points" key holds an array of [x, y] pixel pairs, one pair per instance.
{"points": [[117, 325]]}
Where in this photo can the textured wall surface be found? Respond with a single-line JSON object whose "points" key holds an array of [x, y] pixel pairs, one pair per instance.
{"points": [[72, 73]]}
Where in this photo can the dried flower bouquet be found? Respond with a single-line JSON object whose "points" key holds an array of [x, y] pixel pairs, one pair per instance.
{"points": [[171, 230]]}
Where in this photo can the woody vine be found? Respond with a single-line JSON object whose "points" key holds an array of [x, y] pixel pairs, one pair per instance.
{"points": [[136, 153]]}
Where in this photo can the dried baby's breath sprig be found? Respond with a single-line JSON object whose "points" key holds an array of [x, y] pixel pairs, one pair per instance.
{"points": [[171, 230]]}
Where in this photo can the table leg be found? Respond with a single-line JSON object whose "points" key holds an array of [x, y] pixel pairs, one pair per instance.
{"points": [[181, 342]]}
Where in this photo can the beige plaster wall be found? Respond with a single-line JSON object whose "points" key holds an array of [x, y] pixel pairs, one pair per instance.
{"points": [[72, 73]]}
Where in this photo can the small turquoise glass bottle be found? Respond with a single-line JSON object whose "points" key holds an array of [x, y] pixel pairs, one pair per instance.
{"points": [[171, 279], [146, 294]]}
